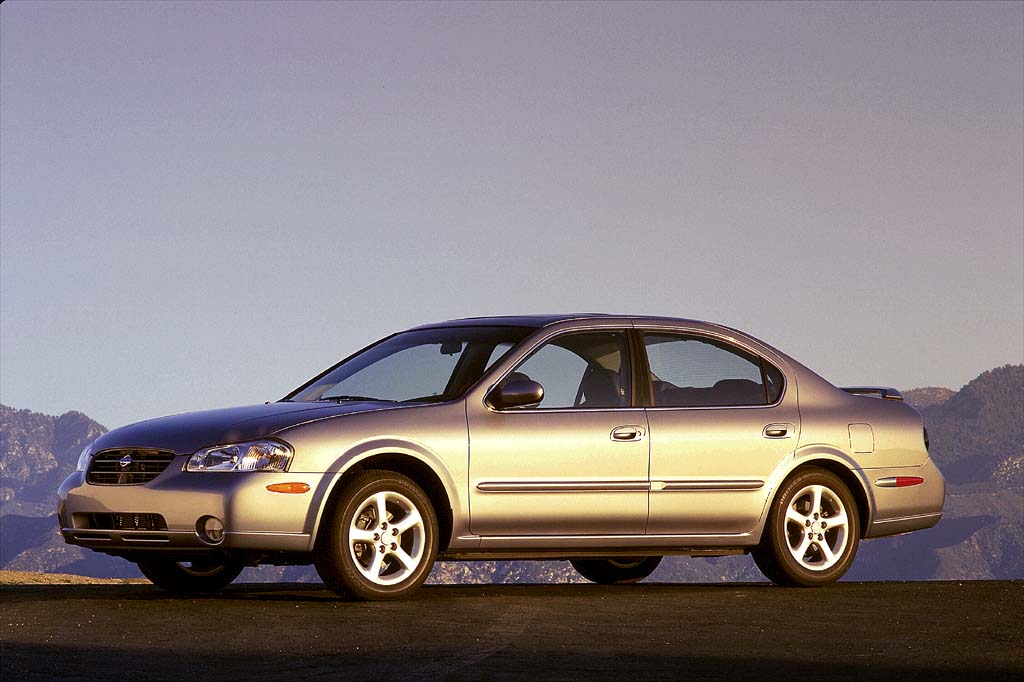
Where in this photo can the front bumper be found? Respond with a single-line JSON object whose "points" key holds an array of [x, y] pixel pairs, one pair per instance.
{"points": [[255, 519]]}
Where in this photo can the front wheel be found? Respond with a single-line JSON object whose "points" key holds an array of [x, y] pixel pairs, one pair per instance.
{"points": [[380, 539], [812, 531], [621, 571], [186, 577]]}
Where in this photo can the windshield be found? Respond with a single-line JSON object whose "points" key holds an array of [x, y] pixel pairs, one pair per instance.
{"points": [[428, 365]]}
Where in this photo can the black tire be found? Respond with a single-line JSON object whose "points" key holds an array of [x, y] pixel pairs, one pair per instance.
{"points": [[825, 552], [620, 571], [764, 559], [357, 570], [181, 577]]}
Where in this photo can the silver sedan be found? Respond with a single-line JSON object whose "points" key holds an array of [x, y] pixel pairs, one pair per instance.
{"points": [[608, 441]]}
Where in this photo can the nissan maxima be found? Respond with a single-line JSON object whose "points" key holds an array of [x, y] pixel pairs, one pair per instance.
{"points": [[607, 441]]}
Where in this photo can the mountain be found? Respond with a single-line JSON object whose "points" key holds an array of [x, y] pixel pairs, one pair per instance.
{"points": [[928, 396], [37, 451], [976, 435], [980, 427]]}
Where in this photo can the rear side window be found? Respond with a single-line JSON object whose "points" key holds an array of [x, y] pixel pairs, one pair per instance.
{"points": [[692, 371]]}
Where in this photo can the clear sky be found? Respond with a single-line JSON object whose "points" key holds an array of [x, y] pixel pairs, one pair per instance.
{"points": [[204, 204]]}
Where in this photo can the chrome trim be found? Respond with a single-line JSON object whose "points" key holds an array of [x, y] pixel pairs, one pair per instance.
{"points": [[596, 543], [263, 533], [554, 410], [615, 486], [638, 435], [711, 407], [562, 487], [690, 486], [787, 428]]}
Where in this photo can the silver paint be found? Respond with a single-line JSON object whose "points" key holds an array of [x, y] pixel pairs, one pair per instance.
{"points": [[531, 482]]}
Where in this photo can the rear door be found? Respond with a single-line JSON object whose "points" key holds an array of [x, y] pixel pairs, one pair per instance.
{"points": [[721, 420]]}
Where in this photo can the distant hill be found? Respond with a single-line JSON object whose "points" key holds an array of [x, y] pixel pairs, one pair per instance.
{"points": [[928, 396], [981, 426], [38, 451], [976, 433]]}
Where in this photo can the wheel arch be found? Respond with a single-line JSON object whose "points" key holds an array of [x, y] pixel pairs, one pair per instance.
{"points": [[835, 462], [400, 462]]}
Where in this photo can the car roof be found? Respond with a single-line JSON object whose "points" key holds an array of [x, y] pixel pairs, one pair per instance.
{"points": [[538, 321]]}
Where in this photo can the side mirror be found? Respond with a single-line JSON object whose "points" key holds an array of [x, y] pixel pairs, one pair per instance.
{"points": [[516, 393]]}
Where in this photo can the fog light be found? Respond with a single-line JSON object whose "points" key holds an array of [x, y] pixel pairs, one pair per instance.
{"points": [[210, 529]]}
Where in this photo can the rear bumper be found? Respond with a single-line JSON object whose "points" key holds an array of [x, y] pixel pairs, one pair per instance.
{"points": [[903, 525], [904, 509]]}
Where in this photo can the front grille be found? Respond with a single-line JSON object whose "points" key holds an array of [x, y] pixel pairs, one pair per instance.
{"points": [[121, 521], [128, 467]]}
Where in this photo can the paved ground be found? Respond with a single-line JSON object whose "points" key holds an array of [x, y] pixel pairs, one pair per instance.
{"points": [[851, 631]]}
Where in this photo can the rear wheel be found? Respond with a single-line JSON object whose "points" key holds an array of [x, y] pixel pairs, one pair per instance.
{"points": [[186, 577], [620, 571], [812, 532], [380, 539]]}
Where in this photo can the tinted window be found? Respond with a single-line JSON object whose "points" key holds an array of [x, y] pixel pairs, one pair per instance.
{"points": [[418, 372], [428, 365], [690, 371], [499, 352], [585, 369]]}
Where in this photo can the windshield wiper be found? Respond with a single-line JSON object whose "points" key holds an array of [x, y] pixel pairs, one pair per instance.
{"points": [[353, 398]]}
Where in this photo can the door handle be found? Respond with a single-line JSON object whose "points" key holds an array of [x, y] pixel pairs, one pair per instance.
{"points": [[776, 431], [624, 434]]}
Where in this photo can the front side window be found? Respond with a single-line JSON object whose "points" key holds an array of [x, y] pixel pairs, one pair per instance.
{"points": [[581, 370], [692, 371], [427, 365]]}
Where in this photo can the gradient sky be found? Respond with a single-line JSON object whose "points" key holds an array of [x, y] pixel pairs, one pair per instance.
{"points": [[204, 204]]}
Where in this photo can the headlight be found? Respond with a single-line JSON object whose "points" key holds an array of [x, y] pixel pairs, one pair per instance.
{"points": [[258, 455], [84, 458]]}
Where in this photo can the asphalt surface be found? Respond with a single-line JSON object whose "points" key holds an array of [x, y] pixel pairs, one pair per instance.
{"points": [[850, 631]]}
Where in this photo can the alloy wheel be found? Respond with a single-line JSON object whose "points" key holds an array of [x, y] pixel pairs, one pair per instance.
{"points": [[817, 527], [387, 538]]}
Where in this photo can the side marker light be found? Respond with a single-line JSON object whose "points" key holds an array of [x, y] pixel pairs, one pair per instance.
{"points": [[293, 488]]}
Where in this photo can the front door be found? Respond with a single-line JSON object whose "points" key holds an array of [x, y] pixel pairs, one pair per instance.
{"points": [[576, 464]]}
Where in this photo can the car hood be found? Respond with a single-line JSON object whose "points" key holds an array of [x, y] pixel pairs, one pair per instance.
{"points": [[186, 433]]}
